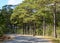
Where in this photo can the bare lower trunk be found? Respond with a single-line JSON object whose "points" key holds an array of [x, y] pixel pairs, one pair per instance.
{"points": [[23, 29], [34, 29], [26, 28], [44, 26]]}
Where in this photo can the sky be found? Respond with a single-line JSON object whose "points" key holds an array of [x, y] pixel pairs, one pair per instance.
{"points": [[9, 2]]}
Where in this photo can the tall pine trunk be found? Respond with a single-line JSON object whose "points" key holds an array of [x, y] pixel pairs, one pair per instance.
{"points": [[55, 34]]}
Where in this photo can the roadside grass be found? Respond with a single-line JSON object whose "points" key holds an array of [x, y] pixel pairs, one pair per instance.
{"points": [[56, 40]]}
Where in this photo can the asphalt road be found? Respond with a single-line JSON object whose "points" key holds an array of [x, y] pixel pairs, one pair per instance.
{"points": [[27, 39]]}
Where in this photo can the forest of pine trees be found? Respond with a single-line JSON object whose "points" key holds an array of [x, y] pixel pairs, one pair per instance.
{"points": [[33, 17]]}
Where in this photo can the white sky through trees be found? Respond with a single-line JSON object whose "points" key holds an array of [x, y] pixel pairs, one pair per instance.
{"points": [[14, 2], [9, 2]]}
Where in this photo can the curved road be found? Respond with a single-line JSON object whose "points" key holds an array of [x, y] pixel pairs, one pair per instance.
{"points": [[27, 39]]}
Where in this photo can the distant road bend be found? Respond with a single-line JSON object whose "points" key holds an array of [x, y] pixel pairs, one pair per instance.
{"points": [[27, 39]]}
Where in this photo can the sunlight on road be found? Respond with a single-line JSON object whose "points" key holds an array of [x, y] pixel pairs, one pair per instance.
{"points": [[27, 39]]}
